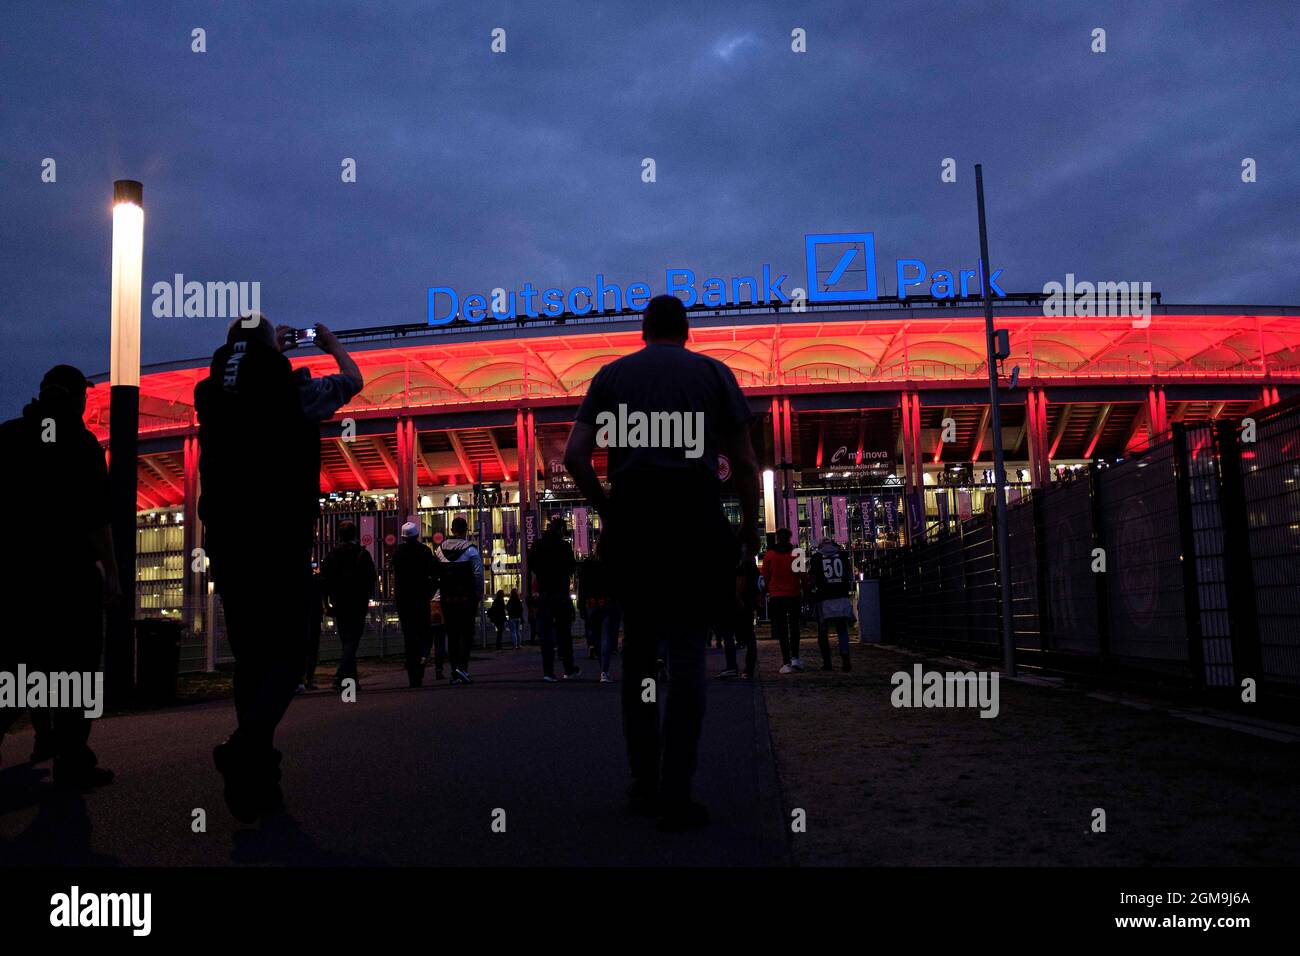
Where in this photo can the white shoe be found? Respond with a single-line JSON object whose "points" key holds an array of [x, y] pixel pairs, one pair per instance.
{"points": [[797, 664], [787, 669], [605, 678]]}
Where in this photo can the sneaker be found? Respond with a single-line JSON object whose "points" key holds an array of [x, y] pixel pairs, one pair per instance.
{"points": [[683, 816], [787, 669], [746, 676], [729, 674], [464, 676], [605, 678], [573, 674], [551, 680], [301, 688], [796, 663]]}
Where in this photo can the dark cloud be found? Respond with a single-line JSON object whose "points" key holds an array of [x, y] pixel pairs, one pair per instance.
{"points": [[477, 170]]}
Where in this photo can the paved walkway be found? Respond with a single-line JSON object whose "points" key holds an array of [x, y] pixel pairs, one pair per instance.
{"points": [[407, 777]]}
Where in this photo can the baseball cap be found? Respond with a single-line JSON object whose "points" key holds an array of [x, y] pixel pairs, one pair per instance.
{"points": [[410, 530], [67, 377]]}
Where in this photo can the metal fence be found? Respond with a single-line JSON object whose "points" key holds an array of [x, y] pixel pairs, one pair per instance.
{"points": [[1182, 561]]}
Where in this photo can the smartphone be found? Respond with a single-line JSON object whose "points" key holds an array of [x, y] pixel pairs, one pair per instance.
{"points": [[301, 336]]}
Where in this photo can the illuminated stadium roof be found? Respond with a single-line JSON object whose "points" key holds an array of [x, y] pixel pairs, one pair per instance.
{"points": [[852, 349]]}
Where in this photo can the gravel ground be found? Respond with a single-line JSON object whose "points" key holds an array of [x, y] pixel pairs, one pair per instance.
{"points": [[892, 786]]}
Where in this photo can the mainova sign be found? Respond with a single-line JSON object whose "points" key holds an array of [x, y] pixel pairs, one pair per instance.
{"points": [[838, 267]]}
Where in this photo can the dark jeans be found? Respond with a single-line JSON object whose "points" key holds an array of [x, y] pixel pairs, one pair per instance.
{"points": [[460, 636], [740, 630], [70, 642], [784, 614], [555, 626], [415, 639], [671, 604], [823, 637], [265, 603], [664, 760], [603, 622], [351, 624]]}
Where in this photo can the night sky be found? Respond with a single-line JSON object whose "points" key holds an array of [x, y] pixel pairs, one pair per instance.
{"points": [[477, 170]]}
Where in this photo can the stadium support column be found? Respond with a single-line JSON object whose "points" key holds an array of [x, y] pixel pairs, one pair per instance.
{"points": [[913, 469], [789, 494], [523, 471], [408, 490], [1039, 441], [1157, 414], [194, 593]]}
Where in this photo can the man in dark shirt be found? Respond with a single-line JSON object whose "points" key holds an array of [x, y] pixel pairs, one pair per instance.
{"points": [[349, 573], [551, 564], [413, 577], [665, 414], [58, 481]]}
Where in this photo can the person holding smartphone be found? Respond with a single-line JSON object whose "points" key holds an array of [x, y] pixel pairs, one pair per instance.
{"points": [[259, 436]]}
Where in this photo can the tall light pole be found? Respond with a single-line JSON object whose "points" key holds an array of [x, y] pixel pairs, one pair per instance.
{"points": [[123, 425], [995, 415]]}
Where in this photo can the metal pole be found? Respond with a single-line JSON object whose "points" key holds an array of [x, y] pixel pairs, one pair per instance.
{"points": [[999, 464]]}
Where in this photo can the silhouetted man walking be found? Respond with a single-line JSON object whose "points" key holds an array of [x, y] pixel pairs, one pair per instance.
{"points": [[665, 413], [259, 440], [349, 573], [460, 589], [552, 564], [59, 516], [413, 574]]}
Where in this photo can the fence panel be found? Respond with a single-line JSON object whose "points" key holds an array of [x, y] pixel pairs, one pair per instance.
{"points": [[1071, 582], [1144, 576], [1270, 473]]}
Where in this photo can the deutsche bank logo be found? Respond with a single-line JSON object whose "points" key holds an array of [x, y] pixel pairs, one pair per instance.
{"points": [[841, 266]]}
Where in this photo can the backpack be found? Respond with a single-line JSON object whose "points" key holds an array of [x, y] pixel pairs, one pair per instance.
{"points": [[456, 583]]}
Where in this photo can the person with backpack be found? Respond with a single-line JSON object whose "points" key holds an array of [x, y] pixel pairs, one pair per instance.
{"points": [[832, 584], [413, 572], [259, 439], [784, 597], [552, 564], [349, 574], [497, 615], [514, 616], [460, 589]]}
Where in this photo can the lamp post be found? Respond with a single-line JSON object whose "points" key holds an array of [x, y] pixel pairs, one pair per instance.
{"points": [[995, 416], [124, 419]]}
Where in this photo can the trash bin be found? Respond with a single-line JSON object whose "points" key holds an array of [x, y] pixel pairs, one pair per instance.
{"points": [[157, 660], [869, 611]]}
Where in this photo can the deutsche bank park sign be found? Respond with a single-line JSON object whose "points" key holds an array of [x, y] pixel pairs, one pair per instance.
{"points": [[838, 267]]}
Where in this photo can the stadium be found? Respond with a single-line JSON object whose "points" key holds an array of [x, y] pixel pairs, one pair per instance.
{"points": [[872, 417]]}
